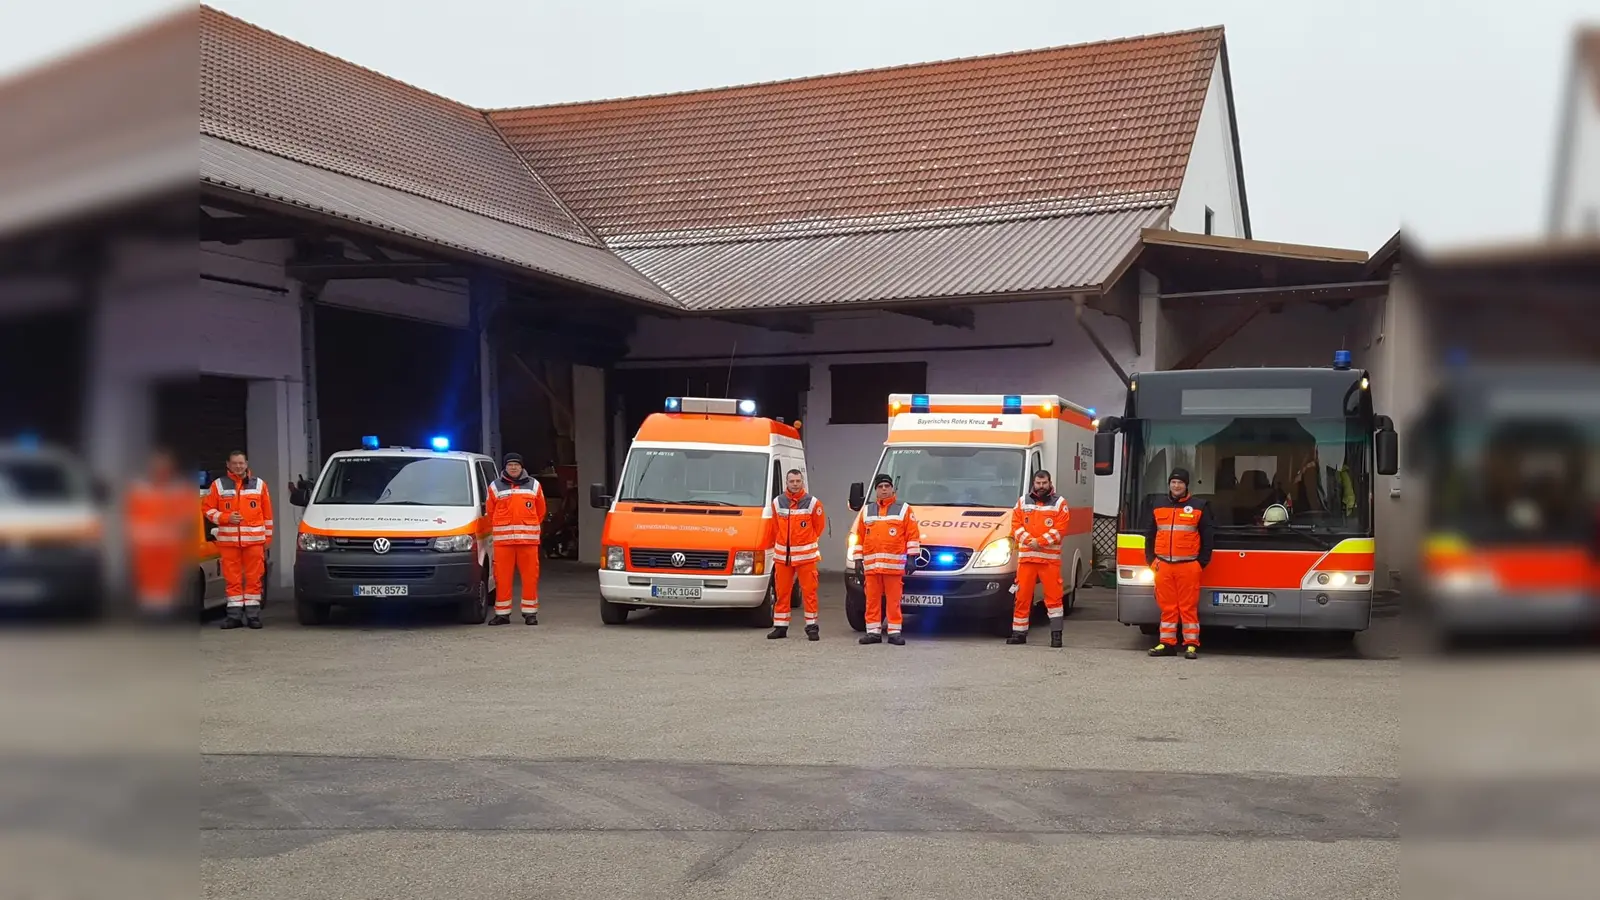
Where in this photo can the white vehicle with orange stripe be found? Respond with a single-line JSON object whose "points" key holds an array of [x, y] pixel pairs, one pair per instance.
{"points": [[962, 461], [395, 524], [690, 525]]}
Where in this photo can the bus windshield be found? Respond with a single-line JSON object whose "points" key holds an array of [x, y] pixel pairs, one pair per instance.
{"points": [[1318, 469], [1528, 477], [695, 477], [955, 476], [396, 481]]}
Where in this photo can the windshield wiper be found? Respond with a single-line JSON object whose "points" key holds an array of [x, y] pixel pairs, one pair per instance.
{"points": [[1301, 531], [705, 503], [649, 500]]}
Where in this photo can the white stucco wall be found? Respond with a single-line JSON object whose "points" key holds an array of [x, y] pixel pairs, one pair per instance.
{"points": [[837, 455], [1579, 209], [1212, 177]]}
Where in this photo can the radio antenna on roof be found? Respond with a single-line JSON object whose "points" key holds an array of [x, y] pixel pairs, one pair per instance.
{"points": [[727, 390]]}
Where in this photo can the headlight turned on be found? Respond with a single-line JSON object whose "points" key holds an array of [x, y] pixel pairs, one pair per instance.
{"points": [[997, 553], [1135, 575], [613, 558], [314, 543], [453, 543]]}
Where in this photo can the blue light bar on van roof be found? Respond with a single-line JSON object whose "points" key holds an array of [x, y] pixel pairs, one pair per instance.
{"points": [[673, 404], [369, 442], [747, 407], [1011, 404], [440, 443], [919, 403]]}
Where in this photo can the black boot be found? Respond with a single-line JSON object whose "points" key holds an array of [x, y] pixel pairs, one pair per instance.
{"points": [[870, 638], [812, 634], [530, 618], [1163, 650], [500, 620], [1017, 637], [778, 633], [896, 640], [1055, 639], [253, 618], [1191, 652], [234, 619]]}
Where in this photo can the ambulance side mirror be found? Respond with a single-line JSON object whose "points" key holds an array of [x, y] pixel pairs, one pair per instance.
{"points": [[300, 492], [598, 498], [858, 496], [1105, 452], [1386, 443]]}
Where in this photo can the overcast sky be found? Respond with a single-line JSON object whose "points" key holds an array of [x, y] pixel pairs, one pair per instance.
{"points": [[1355, 115]]}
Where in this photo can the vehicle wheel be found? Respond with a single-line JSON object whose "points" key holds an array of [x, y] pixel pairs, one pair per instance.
{"points": [[855, 612], [613, 613], [309, 612], [475, 609], [1149, 630], [198, 588], [1070, 601], [761, 616]]}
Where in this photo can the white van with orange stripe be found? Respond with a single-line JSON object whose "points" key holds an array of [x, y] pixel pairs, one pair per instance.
{"points": [[395, 524], [691, 523], [962, 461]]}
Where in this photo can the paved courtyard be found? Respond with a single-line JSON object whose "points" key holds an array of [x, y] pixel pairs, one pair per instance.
{"points": [[682, 756]]}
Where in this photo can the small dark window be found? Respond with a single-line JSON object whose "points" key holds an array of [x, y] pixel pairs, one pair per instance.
{"points": [[861, 390], [777, 478], [1211, 221]]}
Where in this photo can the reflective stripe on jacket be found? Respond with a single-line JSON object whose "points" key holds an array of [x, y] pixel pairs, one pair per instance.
{"points": [[516, 510], [797, 526], [885, 534], [249, 498], [1043, 522], [1178, 530]]}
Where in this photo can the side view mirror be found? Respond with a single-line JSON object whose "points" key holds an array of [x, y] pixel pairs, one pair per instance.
{"points": [[858, 496], [300, 492], [1387, 446], [1105, 452], [598, 498]]}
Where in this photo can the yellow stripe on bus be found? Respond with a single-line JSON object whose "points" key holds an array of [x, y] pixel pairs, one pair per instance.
{"points": [[1348, 545], [1130, 542]]}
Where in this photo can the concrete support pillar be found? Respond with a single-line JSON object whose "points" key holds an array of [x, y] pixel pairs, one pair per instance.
{"points": [[486, 292], [1159, 342], [589, 443]]}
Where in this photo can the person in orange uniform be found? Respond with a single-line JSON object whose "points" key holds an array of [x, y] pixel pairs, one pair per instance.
{"points": [[1177, 545], [161, 515], [798, 522], [1037, 522], [516, 514], [239, 510], [887, 542]]}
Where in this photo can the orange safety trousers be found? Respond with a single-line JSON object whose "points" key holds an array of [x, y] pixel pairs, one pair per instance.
{"points": [[783, 579], [1178, 595], [883, 590], [157, 574], [509, 560], [244, 568], [1029, 574]]}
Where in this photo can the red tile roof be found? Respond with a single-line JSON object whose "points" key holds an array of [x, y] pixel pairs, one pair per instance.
{"points": [[1046, 132], [270, 93]]}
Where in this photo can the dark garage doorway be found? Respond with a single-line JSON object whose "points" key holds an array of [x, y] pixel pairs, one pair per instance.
{"points": [[779, 391]]}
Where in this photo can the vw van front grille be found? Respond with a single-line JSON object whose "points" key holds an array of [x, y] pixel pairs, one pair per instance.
{"points": [[693, 560]]}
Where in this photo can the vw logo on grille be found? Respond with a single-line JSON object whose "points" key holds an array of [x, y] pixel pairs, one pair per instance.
{"points": [[678, 559], [381, 545]]}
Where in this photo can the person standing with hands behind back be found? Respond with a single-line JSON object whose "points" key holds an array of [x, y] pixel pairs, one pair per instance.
{"points": [[516, 515], [1037, 522], [1177, 545], [887, 542]]}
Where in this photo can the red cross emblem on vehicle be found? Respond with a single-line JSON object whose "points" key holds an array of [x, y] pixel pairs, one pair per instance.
{"points": [[438, 521], [995, 422]]}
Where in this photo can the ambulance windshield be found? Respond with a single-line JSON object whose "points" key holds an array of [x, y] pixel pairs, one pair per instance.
{"points": [[955, 476], [695, 477], [24, 482], [397, 481]]}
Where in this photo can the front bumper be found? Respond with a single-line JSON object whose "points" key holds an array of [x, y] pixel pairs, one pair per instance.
{"points": [[1289, 610], [51, 578], [1551, 612], [966, 595], [429, 577], [716, 591]]}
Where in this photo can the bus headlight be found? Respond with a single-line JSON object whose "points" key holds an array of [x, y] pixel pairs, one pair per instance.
{"points": [[997, 554], [1336, 581], [315, 543], [453, 543], [1135, 575], [613, 558], [744, 562], [1465, 581]]}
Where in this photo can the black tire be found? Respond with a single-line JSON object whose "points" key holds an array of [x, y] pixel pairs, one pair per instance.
{"points": [[855, 612], [613, 613], [475, 609], [1070, 601], [197, 587], [310, 612], [761, 616], [1149, 630]]}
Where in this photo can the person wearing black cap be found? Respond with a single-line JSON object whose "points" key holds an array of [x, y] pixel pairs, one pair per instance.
{"points": [[516, 513], [1177, 545], [885, 542]]}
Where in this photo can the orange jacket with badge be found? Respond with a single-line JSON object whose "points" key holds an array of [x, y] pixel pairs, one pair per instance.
{"points": [[249, 498], [516, 509], [1038, 520], [1178, 530], [885, 534], [797, 526]]}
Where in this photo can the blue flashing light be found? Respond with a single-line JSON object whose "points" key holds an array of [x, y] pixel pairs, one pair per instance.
{"points": [[440, 443], [747, 407], [1341, 359], [28, 441], [920, 403], [674, 404], [946, 559], [1012, 403], [1091, 412], [369, 442]]}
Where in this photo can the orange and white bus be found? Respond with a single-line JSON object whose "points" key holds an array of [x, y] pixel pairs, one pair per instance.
{"points": [[690, 524], [961, 462]]}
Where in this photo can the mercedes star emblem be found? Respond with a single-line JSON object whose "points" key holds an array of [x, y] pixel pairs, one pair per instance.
{"points": [[678, 559], [381, 545], [923, 558]]}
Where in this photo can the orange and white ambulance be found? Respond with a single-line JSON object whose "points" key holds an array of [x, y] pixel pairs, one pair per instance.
{"points": [[690, 523], [961, 461]]}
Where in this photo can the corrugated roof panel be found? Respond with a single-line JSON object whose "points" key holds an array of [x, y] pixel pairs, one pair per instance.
{"points": [[248, 169], [968, 261]]}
